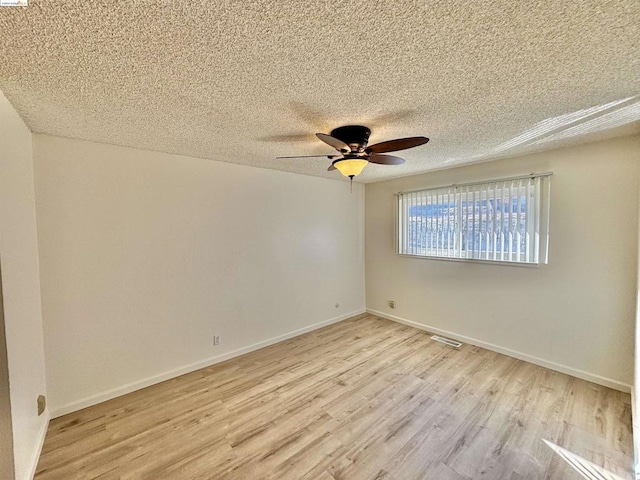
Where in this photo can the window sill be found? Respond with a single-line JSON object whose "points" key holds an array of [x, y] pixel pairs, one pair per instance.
{"points": [[472, 260]]}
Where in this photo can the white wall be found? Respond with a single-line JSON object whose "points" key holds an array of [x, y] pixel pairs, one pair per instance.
{"points": [[21, 288], [145, 256], [6, 430], [575, 314], [635, 405]]}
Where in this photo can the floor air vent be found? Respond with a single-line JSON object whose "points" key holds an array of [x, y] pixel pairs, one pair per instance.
{"points": [[446, 341]]}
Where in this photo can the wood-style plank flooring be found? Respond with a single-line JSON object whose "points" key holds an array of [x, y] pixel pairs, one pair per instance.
{"points": [[362, 399]]}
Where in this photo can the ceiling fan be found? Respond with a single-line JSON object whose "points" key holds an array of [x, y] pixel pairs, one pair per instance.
{"points": [[351, 141]]}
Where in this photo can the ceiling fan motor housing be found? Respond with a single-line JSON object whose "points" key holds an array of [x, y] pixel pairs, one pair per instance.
{"points": [[356, 136]]}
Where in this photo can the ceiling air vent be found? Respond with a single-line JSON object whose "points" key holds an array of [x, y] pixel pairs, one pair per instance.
{"points": [[446, 341]]}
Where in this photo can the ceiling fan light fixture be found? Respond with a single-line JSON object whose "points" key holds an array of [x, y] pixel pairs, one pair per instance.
{"points": [[350, 167], [352, 144]]}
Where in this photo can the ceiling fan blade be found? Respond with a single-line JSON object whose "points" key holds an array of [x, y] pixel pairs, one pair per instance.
{"points": [[330, 157], [334, 142], [397, 144], [385, 159], [331, 167]]}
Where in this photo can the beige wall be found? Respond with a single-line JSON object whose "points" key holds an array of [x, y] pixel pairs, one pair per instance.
{"points": [[21, 288], [145, 256], [575, 314], [6, 430], [635, 406]]}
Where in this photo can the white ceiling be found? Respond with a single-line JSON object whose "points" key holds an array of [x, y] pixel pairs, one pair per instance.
{"points": [[244, 82]]}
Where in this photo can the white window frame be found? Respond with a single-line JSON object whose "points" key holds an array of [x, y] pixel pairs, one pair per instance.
{"points": [[529, 232]]}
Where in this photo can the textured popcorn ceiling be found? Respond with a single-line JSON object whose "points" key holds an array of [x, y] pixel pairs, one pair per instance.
{"points": [[244, 82]]}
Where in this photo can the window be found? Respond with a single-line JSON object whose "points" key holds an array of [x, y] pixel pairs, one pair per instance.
{"points": [[499, 220]]}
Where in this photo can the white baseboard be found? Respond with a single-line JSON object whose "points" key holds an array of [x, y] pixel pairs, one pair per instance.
{"points": [[131, 387], [591, 377], [35, 456]]}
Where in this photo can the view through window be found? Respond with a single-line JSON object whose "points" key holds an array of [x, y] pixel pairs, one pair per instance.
{"points": [[500, 220]]}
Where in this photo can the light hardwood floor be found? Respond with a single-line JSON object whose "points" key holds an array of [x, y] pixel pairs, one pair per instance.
{"points": [[362, 399]]}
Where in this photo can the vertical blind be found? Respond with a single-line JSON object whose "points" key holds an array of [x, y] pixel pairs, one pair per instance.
{"points": [[499, 220]]}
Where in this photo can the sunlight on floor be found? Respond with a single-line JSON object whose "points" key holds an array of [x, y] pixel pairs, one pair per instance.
{"points": [[588, 470]]}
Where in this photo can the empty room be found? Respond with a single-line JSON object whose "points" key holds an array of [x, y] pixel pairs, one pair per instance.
{"points": [[324, 240]]}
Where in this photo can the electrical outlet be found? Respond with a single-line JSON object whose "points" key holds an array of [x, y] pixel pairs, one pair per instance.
{"points": [[216, 340], [42, 404], [392, 304]]}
